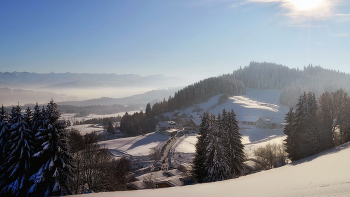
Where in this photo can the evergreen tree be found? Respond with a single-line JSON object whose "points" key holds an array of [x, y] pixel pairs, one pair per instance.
{"points": [[216, 162], [53, 177], [303, 129], [326, 121], [16, 173], [4, 134], [148, 110], [198, 162], [290, 142], [233, 137], [110, 128]]}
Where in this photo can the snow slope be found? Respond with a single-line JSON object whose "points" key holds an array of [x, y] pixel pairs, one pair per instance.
{"points": [[258, 103], [324, 174], [135, 146]]}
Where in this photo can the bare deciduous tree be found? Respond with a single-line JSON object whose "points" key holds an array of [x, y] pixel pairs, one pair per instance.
{"points": [[149, 181], [271, 155]]}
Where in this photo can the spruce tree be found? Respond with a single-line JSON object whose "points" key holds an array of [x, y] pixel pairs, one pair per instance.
{"points": [[4, 134], [216, 162], [290, 142], [16, 173], [110, 128], [201, 145], [235, 146], [53, 177], [326, 122]]}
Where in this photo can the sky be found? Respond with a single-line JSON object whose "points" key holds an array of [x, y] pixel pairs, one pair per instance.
{"points": [[183, 38]]}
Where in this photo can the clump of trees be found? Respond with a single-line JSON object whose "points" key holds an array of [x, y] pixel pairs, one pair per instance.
{"points": [[272, 155], [35, 160], [317, 125], [219, 149], [96, 168], [40, 158], [138, 123]]}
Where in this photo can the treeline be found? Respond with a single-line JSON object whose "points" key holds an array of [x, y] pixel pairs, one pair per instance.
{"points": [[82, 111], [200, 92], [219, 149], [104, 121], [138, 123], [317, 125], [293, 82], [266, 75]]}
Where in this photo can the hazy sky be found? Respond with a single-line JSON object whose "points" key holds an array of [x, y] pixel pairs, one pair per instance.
{"points": [[199, 38]]}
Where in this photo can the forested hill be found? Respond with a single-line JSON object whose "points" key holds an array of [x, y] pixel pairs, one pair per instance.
{"points": [[200, 92], [293, 82]]}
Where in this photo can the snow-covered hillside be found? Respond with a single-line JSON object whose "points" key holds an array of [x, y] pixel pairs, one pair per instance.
{"points": [[324, 174], [260, 103]]}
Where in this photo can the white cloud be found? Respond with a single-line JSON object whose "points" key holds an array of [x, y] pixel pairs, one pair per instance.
{"points": [[303, 11]]}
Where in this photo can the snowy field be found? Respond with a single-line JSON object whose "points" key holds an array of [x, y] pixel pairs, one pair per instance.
{"points": [[324, 174], [135, 146], [87, 128], [71, 116]]}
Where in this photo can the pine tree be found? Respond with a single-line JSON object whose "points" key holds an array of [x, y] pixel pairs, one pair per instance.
{"points": [[148, 110], [303, 129], [4, 134], [233, 137], [290, 142], [216, 162], [326, 122], [199, 158], [110, 128], [53, 177], [16, 173]]}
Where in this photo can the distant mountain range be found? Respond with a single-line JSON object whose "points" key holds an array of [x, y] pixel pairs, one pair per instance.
{"points": [[13, 96], [25, 80], [25, 87], [141, 99]]}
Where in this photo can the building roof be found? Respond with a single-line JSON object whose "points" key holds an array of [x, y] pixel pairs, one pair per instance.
{"points": [[171, 177], [197, 121], [250, 118], [167, 124]]}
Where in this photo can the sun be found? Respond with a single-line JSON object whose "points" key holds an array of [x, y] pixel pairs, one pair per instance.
{"points": [[306, 5]]}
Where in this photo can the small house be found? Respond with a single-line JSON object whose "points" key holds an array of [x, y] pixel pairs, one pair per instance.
{"points": [[264, 123], [249, 120], [194, 124], [165, 125]]}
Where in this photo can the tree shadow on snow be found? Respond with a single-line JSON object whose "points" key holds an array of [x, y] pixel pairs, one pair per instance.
{"points": [[149, 139], [326, 152], [262, 135]]}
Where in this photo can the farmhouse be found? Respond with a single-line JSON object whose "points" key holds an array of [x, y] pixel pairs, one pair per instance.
{"points": [[270, 123], [264, 123], [165, 125], [249, 120], [194, 124], [160, 179]]}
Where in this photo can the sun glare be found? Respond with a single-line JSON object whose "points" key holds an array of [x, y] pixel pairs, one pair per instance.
{"points": [[306, 5]]}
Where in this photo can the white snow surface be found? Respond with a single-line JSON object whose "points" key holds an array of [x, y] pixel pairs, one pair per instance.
{"points": [[324, 174], [135, 146], [87, 128]]}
